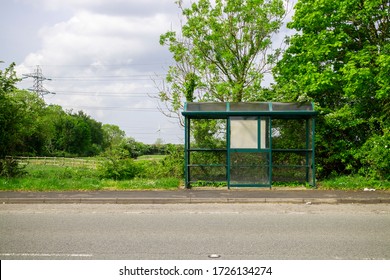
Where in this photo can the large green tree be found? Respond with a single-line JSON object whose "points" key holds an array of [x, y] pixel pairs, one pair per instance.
{"points": [[222, 52], [30, 129], [8, 109], [75, 133], [29, 126], [340, 58]]}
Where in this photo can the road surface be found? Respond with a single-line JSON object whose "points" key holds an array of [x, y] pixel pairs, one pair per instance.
{"points": [[195, 231]]}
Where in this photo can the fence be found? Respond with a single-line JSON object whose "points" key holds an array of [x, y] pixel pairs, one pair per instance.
{"points": [[59, 161]]}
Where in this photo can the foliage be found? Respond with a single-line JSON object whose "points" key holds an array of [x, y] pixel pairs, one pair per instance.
{"points": [[375, 156], [355, 182], [59, 178], [8, 79], [118, 169], [112, 136], [222, 52], [28, 126], [74, 133], [135, 148], [8, 116], [116, 142], [171, 165], [120, 164], [9, 168], [340, 59], [208, 133]]}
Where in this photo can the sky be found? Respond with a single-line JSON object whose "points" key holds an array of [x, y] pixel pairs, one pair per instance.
{"points": [[102, 57]]}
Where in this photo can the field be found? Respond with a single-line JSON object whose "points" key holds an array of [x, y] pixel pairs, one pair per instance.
{"points": [[85, 174], [60, 174]]}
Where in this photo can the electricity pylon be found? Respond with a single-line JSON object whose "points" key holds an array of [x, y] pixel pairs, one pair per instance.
{"points": [[38, 77]]}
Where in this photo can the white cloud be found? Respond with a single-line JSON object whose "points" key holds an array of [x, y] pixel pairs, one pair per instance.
{"points": [[101, 62], [101, 55], [89, 38], [113, 7]]}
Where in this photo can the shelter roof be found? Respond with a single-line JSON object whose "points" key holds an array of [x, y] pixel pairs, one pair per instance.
{"points": [[227, 109]]}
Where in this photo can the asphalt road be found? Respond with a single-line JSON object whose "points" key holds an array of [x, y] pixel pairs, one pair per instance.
{"points": [[196, 231]]}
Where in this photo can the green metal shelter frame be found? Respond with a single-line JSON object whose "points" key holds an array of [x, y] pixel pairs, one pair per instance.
{"points": [[254, 144]]}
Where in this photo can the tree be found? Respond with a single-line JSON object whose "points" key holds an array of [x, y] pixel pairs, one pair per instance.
{"points": [[95, 144], [223, 51], [8, 116], [31, 130], [8, 79], [29, 126], [74, 134], [112, 136], [340, 58]]}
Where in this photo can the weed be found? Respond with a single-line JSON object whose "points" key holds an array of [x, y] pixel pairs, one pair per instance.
{"points": [[354, 183]]}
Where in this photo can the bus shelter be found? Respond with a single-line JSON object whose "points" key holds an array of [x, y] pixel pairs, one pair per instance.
{"points": [[255, 144]]}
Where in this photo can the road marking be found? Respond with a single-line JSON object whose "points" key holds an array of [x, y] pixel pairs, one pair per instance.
{"points": [[45, 255]]}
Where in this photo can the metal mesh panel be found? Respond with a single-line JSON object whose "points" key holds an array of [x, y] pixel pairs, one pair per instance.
{"points": [[289, 174], [207, 165], [207, 173], [290, 166], [208, 157], [288, 158], [249, 168]]}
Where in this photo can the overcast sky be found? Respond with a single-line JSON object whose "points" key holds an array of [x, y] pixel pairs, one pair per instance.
{"points": [[103, 57]]}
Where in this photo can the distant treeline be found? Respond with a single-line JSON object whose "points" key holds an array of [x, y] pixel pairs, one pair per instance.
{"points": [[28, 126]]}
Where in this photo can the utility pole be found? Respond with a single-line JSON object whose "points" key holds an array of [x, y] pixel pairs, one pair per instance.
{"points": [[38, 77]]}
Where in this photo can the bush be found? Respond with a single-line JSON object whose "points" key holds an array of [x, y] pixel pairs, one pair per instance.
{"points": [[355, 182], [119, 169], [172, 165], [10, 168], [375, 157], [60, 172]]}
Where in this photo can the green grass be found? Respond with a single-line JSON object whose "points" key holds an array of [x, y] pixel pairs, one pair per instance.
{"points": [[353, 183], [62, 178], [151, 157], [57, 178], [45, 185], [142, 184]]}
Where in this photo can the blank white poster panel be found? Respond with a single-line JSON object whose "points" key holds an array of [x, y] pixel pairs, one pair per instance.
{"points": [[243, 134]]}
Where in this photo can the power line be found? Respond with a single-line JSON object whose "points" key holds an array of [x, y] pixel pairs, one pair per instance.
{"points": [[107, 93], [38, 77], [106, 79], [107, 76], [114, 108], [104, 65]]}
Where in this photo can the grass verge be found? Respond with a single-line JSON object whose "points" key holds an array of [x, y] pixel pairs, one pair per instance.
{"points": [[57, 178], [86, 184], [353, 183]]}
